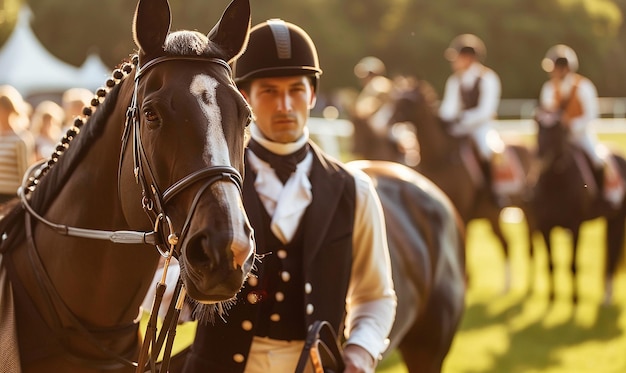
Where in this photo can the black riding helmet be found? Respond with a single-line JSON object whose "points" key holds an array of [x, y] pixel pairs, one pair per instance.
{"points": [[277, 48], [560, 55], [466, 44]]}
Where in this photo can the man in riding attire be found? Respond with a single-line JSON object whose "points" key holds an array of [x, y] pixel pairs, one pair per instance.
{"points": [[471, 98], [319, 228], [575, 99]]}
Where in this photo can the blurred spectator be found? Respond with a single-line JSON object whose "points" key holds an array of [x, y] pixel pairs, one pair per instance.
{"points": [[16, 143], [46, 124], [73, 102]]}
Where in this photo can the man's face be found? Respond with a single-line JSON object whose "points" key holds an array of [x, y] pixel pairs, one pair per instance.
{"points": [[462, 62], [559, 72], [281, 106]]}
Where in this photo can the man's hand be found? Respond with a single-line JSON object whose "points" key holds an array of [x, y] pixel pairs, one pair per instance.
{"points": [[358, 360]]}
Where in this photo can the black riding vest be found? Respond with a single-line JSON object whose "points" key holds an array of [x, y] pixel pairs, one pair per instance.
{"points": [[297, 283], [469, 97]]}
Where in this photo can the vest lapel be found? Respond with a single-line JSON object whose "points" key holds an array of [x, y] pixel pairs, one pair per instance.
{"points": [[254, 207], [327, 186]]}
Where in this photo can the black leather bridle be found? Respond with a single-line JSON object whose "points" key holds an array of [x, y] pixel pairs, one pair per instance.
{"points": [[153, 201]]}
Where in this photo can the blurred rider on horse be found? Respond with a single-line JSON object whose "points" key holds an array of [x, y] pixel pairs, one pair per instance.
{"points": [[470, 103], [571, 100]]}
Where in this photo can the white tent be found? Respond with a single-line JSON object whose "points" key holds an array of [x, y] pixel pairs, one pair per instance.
{"points": [[93, 73], [30, 68]]}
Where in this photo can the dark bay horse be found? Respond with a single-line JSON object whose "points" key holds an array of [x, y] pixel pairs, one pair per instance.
{"points": [[414, 106], [562, 198], [155, 161], [427, 249]]}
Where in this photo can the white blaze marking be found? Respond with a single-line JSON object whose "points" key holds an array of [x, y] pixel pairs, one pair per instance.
{"points": [[204, 89]]}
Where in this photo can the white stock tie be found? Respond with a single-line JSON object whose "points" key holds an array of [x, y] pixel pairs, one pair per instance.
{"points": [[287, 203]]}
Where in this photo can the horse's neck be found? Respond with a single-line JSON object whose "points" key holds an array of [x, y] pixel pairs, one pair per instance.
{"points": [[561, 159], [435, 143], [90, 197], [90, 273]]}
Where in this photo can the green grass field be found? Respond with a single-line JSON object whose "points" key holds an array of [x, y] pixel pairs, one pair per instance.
{"points": [[518, 332]]}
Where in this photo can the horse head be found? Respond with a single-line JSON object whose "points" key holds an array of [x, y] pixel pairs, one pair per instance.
{"points": [[415, 107], [183, 157], [552, 136]]}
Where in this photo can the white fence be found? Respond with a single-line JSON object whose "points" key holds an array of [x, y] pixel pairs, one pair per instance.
{"points": [[331, 133], [613, 107], [527, 126]]}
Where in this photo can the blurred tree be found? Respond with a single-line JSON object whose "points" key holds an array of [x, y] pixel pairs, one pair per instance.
{"points": [[408, 35], [517, 34], [8, 16], [612, 70], [71, 29]]}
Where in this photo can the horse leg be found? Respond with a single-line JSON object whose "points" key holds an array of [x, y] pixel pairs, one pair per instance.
{"points": [[546, 237], [615, 232], [497, 230], [426, 344], [574, 266], [531, 228], [418, 356], [531, 261]]}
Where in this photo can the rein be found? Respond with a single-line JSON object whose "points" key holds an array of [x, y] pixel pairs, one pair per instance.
{"points": [[153, 202], [125, 237]]}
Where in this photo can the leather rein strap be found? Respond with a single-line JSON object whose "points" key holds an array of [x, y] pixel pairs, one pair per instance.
{"points": [[321, 349]]}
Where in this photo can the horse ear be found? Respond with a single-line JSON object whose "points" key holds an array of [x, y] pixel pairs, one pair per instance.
{"points": [[231, 31], [151, 25]]}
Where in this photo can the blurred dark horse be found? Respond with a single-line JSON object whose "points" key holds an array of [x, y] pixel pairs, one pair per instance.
{"points": [[562, 198], [426, 244], [157, 163], [413, 113]]}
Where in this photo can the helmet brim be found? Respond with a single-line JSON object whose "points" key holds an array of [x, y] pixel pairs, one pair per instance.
{"points": [[279, 72]]}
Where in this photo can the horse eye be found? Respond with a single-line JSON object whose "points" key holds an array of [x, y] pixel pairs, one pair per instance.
{"points": [[150, 115]]}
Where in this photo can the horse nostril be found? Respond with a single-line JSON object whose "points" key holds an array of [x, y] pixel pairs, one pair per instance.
{"points": [[202, 252]]}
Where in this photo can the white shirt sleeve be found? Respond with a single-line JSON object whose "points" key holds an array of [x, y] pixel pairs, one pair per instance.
{"points": [[588, 97], [546, 97], [371, 299]]}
